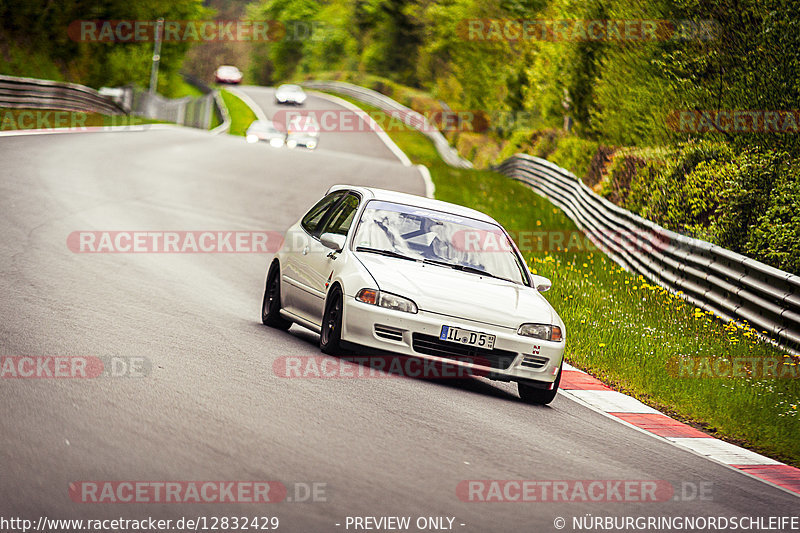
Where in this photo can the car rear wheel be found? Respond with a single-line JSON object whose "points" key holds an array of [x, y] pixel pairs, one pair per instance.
{"points": [[271, 306], [533, 395], [330, 336]]}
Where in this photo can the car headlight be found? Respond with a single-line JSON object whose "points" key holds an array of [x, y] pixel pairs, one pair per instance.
{"points": [[387, 300], [546, 332], [252, 138]]}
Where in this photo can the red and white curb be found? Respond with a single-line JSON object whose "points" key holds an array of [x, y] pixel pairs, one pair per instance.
{"points": [[589, 391]]}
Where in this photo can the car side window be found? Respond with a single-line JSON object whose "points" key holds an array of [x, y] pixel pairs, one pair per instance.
{"points": [[317, 213], [342, 217]]}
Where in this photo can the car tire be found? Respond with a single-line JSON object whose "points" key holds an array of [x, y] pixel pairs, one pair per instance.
{"points": [[536, 396], [271, 305], [330, 336]]}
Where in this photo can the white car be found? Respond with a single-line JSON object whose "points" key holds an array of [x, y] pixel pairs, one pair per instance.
{"points": [[302, 130], [265, 130], [228, 74], [402, 273], [290, 94]]}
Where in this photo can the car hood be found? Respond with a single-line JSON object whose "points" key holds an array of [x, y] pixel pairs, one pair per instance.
{"points": [[451, 292]]}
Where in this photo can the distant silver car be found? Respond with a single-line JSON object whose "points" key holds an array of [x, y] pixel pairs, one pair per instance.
{"points": [[302, 130], [403, 273], [265, 130], [290, 94], [228, 74]]}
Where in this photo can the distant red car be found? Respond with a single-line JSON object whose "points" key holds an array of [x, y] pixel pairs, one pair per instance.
{"points": [[228, 74]]}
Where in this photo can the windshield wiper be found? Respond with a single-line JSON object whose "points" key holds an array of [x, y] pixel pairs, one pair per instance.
{"points": [[465, 268], [387, 253]]}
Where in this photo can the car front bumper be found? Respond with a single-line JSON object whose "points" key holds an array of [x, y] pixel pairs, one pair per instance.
{"points": [[514, 357]]}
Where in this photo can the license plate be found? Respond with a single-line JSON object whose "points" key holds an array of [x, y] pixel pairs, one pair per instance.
{"points": [[467, 337]]}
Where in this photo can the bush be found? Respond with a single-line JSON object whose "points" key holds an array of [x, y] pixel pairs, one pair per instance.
{"points": [[750, 181], [574, 154], [745, 202], [775, 239]]}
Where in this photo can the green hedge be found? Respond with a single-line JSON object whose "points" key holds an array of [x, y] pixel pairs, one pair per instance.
{"points": [[744, 201]]}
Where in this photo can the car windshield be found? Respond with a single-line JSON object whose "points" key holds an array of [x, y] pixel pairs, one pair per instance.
{"points": [[290, 88], [445, 239]]}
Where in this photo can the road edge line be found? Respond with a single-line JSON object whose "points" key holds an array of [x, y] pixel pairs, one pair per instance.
{"points": [[382, 135], [249, 102]]}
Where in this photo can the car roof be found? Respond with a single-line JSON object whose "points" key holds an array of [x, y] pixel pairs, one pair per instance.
{"points": [[372, 193]]}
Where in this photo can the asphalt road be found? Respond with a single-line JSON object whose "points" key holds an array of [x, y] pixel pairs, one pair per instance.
{"points": [[341, 132], [212, 408]]}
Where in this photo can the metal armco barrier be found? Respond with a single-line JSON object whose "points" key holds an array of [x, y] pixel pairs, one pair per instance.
{"points": [[187, 111], [219, 104], [732, 286], [46, 94], [409, 116]]}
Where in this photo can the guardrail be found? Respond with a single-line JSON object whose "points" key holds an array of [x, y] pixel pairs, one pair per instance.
{"points": [[219, 104], [408, 115], [186, 111], [222, 112], [732, 286], [16, 92], [32, 93]]}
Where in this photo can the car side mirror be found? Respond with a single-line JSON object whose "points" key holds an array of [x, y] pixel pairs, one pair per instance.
{"points": [[333, 241], [541, 283]]}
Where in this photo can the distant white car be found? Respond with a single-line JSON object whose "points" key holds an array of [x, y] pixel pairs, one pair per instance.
{"points": [[402, 273], [265, 130], [302, 130], [228, 74], [290, 94]]}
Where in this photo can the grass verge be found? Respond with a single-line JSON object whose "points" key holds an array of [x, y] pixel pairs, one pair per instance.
{"points": [[634, 336], [241, 114]]}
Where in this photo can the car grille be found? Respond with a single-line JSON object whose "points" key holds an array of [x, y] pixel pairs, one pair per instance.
{"points": [[430, 345], [534, 361], [385, 332]]}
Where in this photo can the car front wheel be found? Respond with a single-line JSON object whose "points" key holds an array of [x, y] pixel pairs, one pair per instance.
{"points": [[530, 394], [271, 305], [330, 337]]}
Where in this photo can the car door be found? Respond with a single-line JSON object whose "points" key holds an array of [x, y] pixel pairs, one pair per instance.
{"points": [[320, 260], [294, 284]]}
